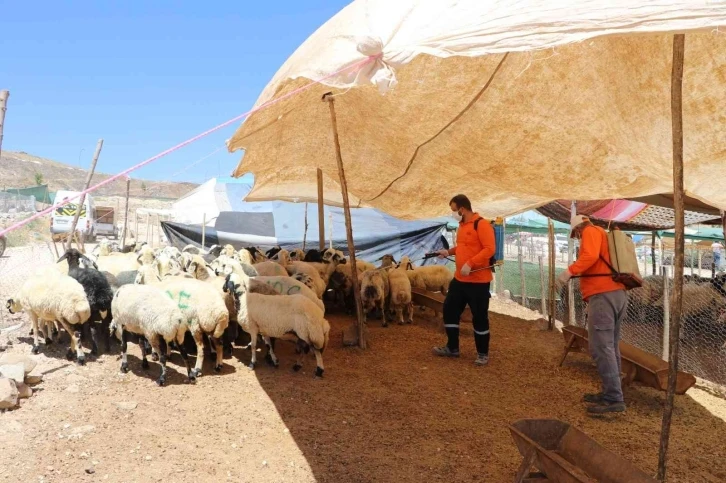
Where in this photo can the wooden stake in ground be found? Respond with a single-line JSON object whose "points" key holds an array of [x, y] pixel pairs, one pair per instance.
{"points": [[126, 214], [348, 224], [3, 108], [679, 41], [204, 228], [82, 200], [321, 211]]}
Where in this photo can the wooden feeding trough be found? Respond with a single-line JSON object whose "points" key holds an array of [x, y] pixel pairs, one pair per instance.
{"points": [[435, 301], [636, 364], [564, 454]]}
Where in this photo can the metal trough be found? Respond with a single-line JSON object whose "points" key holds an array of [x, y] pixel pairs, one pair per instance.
{"points": [[567, 455]]}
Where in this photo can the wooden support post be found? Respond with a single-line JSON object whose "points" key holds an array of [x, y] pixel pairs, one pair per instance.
{"points": [[148, 227], [700, 254], [82, 200], [552, 313], [666, 314], [321, 211], [204, 228], [136, 225], [679, 41], [348, 224], [652, 254], [3, 108], [126, 214]]}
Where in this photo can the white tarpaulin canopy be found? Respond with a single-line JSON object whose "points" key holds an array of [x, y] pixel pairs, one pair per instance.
{"points": [[515, 103]]}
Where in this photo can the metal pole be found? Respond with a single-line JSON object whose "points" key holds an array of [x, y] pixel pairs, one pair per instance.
{"points": [[666, 313], [700, 253], [321, 211], [543, 304], [81, 201], [523, 285], [679, 41], [552, 263], [204, 228], [652, 254], [305, 235], [499, 274], [571, 316], [3, 108], [348, 224], [126, 214]]}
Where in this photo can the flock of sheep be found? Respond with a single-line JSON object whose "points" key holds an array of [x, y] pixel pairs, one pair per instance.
{"points": [[195, 300]]}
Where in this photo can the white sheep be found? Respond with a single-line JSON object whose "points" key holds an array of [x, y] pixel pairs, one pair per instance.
{"points": [[297, 254], [150, 312], [374, 291], [270, 269], [49, 295], [205, 312], [117, 263], [400, 294], [276, 316], [434, 278], [312, 270]]}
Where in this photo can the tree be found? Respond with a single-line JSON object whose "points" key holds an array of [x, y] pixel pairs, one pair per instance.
{"points": [[143, 187], [39, 178]]}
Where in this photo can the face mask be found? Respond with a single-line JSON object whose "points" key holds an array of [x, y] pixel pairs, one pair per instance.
{"points": [[455, 215]]}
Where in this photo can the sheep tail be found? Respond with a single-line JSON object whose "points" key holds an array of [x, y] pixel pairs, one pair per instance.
{"points": [[400, 297], [370, 292]]}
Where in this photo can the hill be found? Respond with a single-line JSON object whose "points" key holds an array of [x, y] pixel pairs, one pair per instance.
{"points": [[19, 169]]}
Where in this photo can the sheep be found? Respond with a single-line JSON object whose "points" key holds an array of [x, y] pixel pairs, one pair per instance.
{"points": [[374, 292], [147, 275], [256, 255], [229, 251], [244, 256], [149, 312], [387, 261], [272, 252], [400, 298], [313, 256], [49, 295], [166, 264], [332, 252], [312, 270], [297, 254], [103, 249], [117, 263], [434, 278], [270, 269], [99, 294], [205, 312], [291, 286], [296, 314]]}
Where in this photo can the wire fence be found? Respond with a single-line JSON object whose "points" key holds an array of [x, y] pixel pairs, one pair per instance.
{"points": [[16, 203], [646, 325]]}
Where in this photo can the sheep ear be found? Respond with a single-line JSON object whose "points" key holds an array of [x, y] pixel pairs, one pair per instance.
{"points": [[63, 257], [90, 262]]}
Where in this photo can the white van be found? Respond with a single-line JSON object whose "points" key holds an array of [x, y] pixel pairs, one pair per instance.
{"points": [[61, 218]]}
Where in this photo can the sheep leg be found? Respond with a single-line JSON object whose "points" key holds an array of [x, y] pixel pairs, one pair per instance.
{"points": [[124, 342], [199, 341], [144, 362], [105, 325], [319, 359], [399, 314], [270, 357], [409, 313], [34, 330], [253, 349], [76, 346], [383, 316], [94, 337], [219, 350], [185, 357], [156, 343]]}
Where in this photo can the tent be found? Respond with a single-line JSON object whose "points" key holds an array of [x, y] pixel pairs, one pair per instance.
{"points": [[229, 219]]}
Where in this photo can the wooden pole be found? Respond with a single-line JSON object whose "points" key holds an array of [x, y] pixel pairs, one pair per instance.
{"points": [[571, 315], [552, 261], [321, 211], [666, 314], [679, 41], [652, 253], [126, 214], [3, 108], [148, 226], [348, 224], [305, 235], [99, 145], [204, 228], [136, 225]]}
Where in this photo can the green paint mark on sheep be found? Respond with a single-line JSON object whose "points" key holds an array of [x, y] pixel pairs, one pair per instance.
{"points": [[293, 290], [179, 302]]}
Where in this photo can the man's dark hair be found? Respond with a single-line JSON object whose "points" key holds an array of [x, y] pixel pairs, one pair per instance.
{"points": [[461, 201]]}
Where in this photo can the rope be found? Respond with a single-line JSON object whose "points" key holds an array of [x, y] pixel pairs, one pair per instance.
{"points": [[357, 66]]}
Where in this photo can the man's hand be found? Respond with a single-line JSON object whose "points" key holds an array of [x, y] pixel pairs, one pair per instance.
{"points": [[466, 270], [564, 277], [443, 253]]}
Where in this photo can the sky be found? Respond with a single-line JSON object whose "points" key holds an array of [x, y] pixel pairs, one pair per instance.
{"points": [[143, 76]]}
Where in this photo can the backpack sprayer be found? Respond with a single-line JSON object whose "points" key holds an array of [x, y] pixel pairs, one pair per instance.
{"points": [[498, 259]]}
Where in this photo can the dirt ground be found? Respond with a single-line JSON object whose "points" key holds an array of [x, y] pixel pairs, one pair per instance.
{"points": [[391, 413]]}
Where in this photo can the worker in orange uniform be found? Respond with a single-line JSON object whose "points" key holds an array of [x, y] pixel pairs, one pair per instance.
{"points": [[607, 304], [474, 249]]}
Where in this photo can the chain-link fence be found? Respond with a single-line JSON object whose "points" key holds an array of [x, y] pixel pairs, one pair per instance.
{"points": [[16, 203], [646, 325]]}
